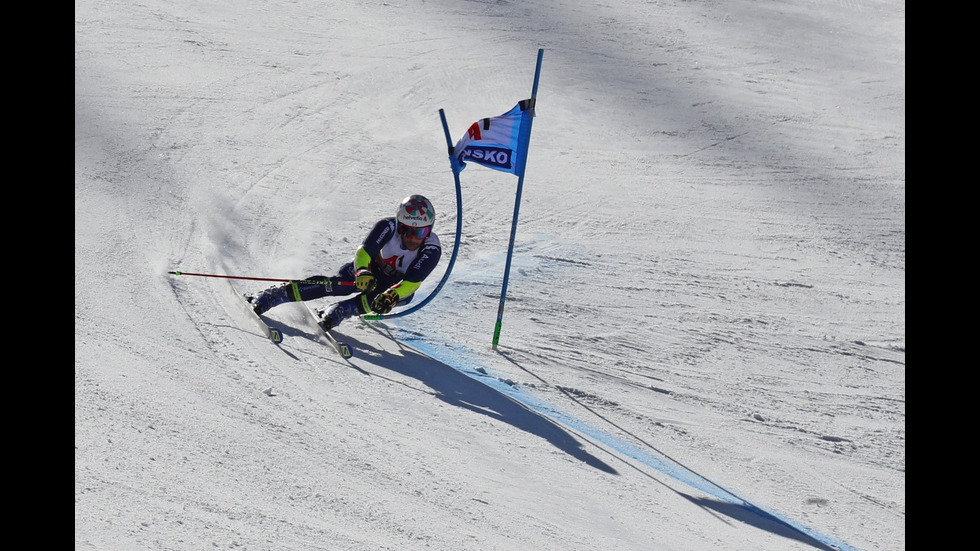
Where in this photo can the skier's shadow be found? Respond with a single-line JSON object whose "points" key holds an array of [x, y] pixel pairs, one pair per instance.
{"points": [[456, 388]]}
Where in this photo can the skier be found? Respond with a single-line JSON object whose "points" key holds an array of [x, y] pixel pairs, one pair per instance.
{"points": [[389, 266]]}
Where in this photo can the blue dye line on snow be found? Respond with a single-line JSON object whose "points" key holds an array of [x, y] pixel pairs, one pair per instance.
{"points": [[467, 366]]}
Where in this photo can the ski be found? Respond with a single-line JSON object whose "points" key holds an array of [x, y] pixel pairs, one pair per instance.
{"points": [[342, 348], [273, 333]]}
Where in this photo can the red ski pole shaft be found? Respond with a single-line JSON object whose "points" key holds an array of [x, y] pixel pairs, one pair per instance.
{"points": [[333, 282]]}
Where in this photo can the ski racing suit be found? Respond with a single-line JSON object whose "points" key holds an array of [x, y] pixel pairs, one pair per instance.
{"points": [[392, 264]]}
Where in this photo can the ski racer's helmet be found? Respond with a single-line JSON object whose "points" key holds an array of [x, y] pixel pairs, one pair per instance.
{"points": [[415, 211]]}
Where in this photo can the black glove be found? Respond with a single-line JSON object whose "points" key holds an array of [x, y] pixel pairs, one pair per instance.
{"points": [[384, 302], [364, 280]]}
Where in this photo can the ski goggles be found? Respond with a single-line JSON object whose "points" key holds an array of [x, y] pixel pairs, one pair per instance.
{"points": [[409, 231]]}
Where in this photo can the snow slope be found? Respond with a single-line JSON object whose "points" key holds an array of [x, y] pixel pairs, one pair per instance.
{"points": [[703, 345]]}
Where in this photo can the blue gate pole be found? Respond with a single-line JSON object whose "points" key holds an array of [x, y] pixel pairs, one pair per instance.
{"points": [[522, 160]]}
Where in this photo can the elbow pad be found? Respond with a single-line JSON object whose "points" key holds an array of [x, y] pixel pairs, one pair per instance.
{"points": [[362, 259]]}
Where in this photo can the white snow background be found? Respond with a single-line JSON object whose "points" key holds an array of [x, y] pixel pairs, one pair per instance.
{"points": [[703, 345]]}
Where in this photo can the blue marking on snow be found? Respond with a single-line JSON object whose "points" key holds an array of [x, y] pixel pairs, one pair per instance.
{"points": [[468, 366]]}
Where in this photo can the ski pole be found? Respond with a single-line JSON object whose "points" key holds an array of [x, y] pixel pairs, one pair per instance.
{"points": [[299, 281]]}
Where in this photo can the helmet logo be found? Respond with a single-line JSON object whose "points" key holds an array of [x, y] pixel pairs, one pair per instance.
{"points": [[415, 206]]}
